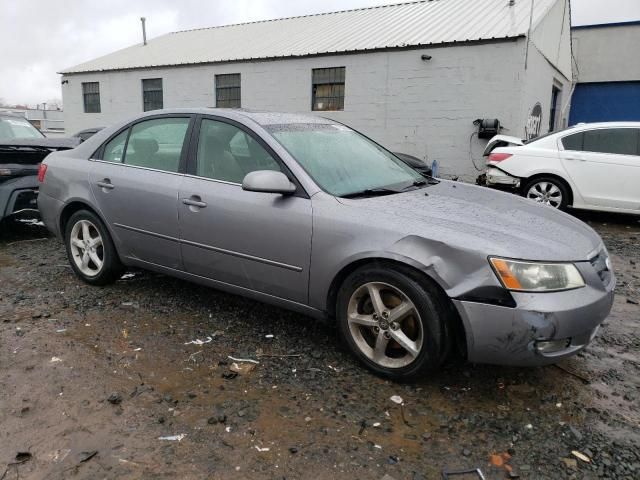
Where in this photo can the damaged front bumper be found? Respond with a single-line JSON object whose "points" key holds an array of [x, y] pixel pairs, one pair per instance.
{"points": [[543, 327]]}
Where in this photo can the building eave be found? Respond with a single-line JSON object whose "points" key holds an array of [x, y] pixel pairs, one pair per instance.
{"points": [[481, 41]]}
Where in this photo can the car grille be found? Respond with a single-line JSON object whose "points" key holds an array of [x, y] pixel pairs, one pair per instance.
{"points": [[601, 265]]}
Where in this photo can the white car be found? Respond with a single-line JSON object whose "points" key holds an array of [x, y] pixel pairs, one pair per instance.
{"points": [[592, 166]]}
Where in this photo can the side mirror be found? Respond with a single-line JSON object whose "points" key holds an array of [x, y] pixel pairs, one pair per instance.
{"points": [[268, 181]]}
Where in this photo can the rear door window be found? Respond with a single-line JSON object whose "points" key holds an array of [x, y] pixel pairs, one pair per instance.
{"points": [[617, 141], [157, 143]]}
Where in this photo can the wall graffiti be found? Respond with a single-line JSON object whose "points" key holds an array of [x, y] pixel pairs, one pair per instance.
{"points": [[534, 122]]}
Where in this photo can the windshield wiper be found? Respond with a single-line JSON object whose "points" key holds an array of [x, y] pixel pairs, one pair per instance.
{"points": [[420, 183], [370, 192]]}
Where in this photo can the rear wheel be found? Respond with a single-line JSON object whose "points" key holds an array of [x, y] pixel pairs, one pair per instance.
{"points": [[392, 322], [90, 249], [548, 191]]}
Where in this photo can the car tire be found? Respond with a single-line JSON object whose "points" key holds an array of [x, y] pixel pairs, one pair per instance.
{"points": [[548, 191], [361, 324], [90, 249]]}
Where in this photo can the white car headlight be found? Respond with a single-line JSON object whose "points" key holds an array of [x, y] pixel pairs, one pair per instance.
{"points": [[535, 276]]}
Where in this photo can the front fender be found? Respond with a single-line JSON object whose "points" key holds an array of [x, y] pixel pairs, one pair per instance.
{"points": [[469, 272], [456, 270]]}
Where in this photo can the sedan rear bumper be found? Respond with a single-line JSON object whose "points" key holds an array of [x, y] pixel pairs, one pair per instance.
{"points": [[542, 329], [500, 179]]}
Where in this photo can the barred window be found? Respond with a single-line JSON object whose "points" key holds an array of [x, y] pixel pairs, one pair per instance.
{"points": [[228, 90], [91, 97], [328, 89], [152, 94]]}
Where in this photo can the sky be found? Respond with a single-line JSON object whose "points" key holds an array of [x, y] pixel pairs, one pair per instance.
{"points": [[41, 37]]}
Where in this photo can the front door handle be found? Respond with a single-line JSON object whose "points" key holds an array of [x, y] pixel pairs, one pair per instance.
{"points": [[106, 183], [194, 201]]}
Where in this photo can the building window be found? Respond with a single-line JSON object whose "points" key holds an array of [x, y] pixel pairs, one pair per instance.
{"points": [[152, 94], [91, 97], [328, 89], [228, 90]]}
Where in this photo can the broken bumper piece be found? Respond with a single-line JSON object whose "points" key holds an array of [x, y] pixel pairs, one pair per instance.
{"points": [[497, 178]]}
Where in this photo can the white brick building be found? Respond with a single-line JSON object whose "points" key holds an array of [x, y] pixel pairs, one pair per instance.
{"points": [[413, 76]]}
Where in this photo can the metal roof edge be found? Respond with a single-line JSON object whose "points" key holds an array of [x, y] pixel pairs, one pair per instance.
{"points": [[65, 70], [602, 82], [604, 25], [454, 43]]}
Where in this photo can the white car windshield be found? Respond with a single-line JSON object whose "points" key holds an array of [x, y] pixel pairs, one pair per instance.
{"points": [[342, 161], [17, 128]]}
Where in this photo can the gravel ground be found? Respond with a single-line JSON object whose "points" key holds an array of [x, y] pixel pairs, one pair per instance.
{"points": [[92, 379]]}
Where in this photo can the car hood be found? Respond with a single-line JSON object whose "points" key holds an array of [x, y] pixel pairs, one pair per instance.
{"points": [[491, 222]]}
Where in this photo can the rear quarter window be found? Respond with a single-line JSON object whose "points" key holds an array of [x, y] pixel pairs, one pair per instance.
{"points": [[573, 142], [114, 150]]}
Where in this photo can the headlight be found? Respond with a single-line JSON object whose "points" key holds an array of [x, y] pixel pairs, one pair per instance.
{"points": [[536, 277]]}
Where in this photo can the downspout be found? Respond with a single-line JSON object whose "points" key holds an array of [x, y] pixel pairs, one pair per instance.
{"points": [[574, 77], [526, 52]]}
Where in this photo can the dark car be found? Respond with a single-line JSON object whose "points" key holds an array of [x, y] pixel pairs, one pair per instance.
{"points": [[415, 163], [22, 148], [86, 133]]}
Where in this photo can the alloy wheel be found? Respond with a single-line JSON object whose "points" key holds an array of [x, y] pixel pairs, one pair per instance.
{"points": [[385, 325], [546, 193], [87, 248]]}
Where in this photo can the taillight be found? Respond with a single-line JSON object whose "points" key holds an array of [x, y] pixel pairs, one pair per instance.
{"points": [[42, 171], [499, 157]]}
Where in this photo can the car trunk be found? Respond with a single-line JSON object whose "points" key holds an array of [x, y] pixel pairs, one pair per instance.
{"points": [[501, 141]]}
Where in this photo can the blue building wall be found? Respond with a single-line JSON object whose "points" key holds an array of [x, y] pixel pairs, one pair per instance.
{"points": [[605, 102]]}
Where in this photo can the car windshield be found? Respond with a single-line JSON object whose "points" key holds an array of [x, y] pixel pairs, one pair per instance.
{"points": [[12, 128], [342, 161]]}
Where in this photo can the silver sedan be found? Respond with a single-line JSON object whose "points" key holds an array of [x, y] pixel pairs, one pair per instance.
{"points": [[310, 215]]}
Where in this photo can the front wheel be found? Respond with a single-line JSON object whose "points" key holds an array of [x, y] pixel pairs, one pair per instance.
{"points": [[90, 249], [392, 322], [548, 191]]}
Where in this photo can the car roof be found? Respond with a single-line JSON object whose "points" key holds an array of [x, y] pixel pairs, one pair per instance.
{"points": [[606, 124], [577, 128], [261, 117]]}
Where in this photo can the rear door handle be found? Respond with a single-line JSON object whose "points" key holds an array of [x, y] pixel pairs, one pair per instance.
{"points": [[106, 183], [194, 201]]}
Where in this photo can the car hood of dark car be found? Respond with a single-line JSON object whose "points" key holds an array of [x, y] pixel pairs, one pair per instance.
{"points": [[29, 152], [61, 143], [476, 218]]}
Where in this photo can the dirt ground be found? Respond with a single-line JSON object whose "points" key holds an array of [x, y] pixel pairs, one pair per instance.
{"points": [[92, 379]]}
